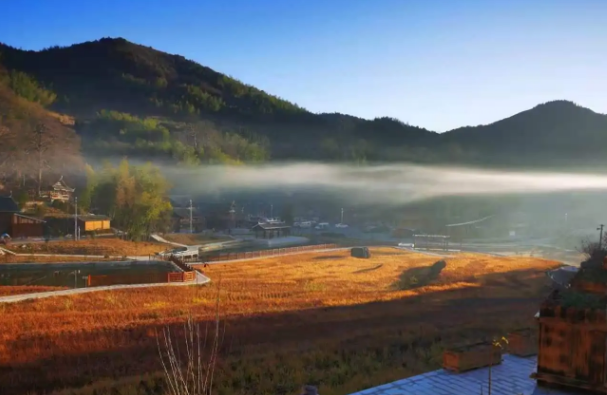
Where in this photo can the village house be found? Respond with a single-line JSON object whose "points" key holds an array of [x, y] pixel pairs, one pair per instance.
{"points": [[271, 230], [58, 191], [64, 224], [17, 225], [93, 223]]}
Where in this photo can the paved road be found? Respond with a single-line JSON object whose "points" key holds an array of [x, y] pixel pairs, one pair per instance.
{"points": [[160, 239], [200, 280], [217, 245]]}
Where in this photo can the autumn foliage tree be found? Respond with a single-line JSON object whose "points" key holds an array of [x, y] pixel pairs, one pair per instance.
{"points": [[135, 197]]}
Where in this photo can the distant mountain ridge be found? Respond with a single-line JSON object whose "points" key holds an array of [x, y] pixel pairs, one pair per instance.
{"points": [[191, 101]]}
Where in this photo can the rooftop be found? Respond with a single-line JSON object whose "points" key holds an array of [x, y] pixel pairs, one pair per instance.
{"points": [[30, 218], [8, 205], [62, 186], [271, 226], [511, 377]]}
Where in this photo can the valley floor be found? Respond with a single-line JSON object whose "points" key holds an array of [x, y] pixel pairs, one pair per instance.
{"points": [[343, 323]]}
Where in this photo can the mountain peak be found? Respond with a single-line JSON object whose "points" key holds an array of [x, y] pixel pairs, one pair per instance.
{"points": [[558, 104], [560, 108]]}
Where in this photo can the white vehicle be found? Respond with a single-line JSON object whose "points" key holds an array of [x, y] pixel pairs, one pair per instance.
{"points": [[322, 225], [306, 224], [341, 226], [184, 252]]}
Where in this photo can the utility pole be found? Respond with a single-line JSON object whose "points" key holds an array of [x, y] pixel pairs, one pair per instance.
{"points": [[342, 216], [191, 208], [601, 236], [271, 211], [76, 218], [76, 273]]}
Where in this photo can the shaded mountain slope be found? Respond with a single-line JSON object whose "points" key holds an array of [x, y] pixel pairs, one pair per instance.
{"points": [[195, 104]]}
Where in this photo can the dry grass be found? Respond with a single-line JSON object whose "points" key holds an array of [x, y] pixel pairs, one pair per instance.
{"points": [[336, 279], [100, 246], [326, 317], [27, 289], [194, 239]]}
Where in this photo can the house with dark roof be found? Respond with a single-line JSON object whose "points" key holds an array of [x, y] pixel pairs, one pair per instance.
{"points": [[8, 205], [271, 230], [17, 225]]}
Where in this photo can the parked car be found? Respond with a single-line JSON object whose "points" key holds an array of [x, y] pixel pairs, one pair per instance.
{"points": [[186, 253]]}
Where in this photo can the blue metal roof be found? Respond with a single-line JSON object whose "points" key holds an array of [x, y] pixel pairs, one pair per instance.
{"points": [[511, 377]]}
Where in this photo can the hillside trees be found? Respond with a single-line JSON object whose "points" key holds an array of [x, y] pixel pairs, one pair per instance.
{"points": [[28, 88], [163, 90], [86, 196], [33, 141], [134, 197], [186, 143]]}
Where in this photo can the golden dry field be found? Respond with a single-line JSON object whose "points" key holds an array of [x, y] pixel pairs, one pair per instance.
{"points": [[99, 246], [324, 318], [27, 289]]}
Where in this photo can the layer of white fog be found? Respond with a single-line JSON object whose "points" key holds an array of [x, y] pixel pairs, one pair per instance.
{"points": [[386, 184]]}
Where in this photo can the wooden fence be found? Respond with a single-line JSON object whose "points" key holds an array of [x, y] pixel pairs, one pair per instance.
{"points": [[180, 277], [180, 263], [229, 256], [143, 278]]}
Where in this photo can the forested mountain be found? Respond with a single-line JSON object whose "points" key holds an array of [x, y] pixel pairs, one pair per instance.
{"points": [[554, 132], [133, 100]]}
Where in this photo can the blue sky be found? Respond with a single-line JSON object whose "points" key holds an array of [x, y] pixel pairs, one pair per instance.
{"points": [[439, 64]]}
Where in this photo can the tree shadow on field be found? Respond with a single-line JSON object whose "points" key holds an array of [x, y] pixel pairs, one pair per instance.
{"points": [[103, 354], [369, 269], [416, 277]]}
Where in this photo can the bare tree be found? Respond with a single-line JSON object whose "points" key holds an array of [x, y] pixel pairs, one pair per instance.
{"points": [[42, 141], [594, 251], [194, 374], [7, 150]]}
